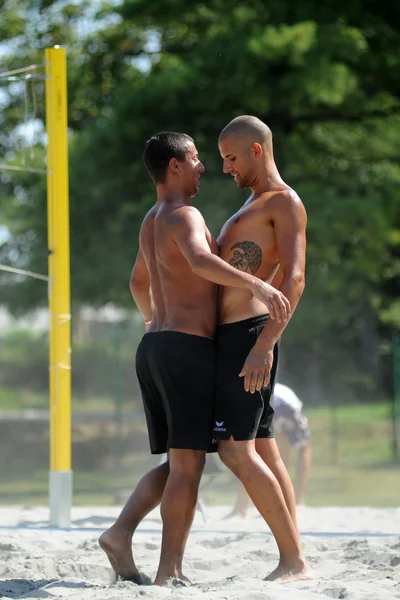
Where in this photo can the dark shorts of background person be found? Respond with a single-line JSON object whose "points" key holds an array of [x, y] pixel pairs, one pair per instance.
{"points": [[176, 373], [294, 425], [238, 413]]}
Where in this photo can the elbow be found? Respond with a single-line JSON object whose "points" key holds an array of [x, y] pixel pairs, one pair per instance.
{"points": [[136, 285], [132, 285], [300, 283], [297, 283]]}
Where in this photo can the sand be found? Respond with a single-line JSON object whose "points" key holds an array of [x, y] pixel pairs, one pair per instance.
{"points": [[355, 554]]}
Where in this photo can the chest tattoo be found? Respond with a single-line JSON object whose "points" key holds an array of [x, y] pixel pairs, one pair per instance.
{"points": [[247, 256]]}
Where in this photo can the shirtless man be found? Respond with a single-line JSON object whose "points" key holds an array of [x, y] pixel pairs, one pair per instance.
{"points": [[174, 285], [266, 238]]}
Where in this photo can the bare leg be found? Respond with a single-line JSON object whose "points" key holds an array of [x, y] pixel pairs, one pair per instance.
{"points": [[284, 448], [303, 471], [117, 541], [268, 450], [266, 494], [178, 508]]}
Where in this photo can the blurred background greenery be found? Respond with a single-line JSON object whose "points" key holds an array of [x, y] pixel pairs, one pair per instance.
{"points": [[324, 76]]}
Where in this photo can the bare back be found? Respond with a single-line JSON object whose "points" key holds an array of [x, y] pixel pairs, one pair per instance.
{"points": [[183, 301], [249, 241]]}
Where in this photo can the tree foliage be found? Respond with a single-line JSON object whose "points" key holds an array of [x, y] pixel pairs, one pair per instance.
{"points": [[324, 76]]}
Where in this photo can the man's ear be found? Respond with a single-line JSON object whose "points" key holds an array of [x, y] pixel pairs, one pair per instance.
{"points": [[174, 165], [257, 150]]}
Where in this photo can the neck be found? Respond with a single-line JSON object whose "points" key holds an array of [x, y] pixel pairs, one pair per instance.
{"points": [[171, 194], [268, 180]]}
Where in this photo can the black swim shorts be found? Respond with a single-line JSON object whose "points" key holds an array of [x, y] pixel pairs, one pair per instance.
{"points": [[238, 413], [176, 373]]}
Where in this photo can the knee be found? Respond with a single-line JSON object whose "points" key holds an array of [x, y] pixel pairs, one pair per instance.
{"points": [[231, 456], [187, 463]]}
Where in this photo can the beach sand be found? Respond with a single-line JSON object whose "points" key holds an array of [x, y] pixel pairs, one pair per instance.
{"points": [[354, 552]]}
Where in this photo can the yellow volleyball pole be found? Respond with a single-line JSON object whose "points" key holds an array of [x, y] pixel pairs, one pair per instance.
{"points": [[60, 478]]}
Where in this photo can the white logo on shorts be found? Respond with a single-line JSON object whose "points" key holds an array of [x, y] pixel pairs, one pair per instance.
{"points": [[219, 426]]}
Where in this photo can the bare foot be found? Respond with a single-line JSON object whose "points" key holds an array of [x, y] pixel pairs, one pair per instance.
{"points": [[180, 581], [118, 547], [286, 574]]}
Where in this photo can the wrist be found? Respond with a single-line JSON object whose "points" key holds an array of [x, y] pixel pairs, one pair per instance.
{"points": [[255, 284], [266, 344]]}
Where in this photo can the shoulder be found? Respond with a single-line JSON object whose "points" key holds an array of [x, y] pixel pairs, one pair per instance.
{"points": [[148, 221], [287, 199], [287, 203], [186, 216]]}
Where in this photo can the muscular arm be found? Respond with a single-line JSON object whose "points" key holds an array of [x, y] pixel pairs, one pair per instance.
{"points": [[190, 236], [290, 232], [140, 287]]}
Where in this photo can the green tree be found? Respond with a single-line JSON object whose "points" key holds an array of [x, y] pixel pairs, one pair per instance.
{"points": [[322, 75]]}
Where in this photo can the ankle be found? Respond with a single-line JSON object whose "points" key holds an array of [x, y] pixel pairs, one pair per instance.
{"points": [[167, 573], [122, 529], [296, 561]]}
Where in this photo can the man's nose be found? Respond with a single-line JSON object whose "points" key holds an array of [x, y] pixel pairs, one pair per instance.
{"points": [[226, 168], [202, 168]]}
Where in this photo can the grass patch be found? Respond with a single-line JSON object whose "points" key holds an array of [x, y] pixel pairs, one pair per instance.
{"points": [[356, 434], [23, 399], [352, 463]]}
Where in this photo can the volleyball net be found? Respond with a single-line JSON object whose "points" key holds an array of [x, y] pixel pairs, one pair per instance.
{"points": [[21, 149]]}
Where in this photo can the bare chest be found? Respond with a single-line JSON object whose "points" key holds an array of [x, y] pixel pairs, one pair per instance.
{"points": [[247, 241]]}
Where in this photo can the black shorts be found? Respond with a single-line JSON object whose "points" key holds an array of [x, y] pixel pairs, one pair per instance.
{"points": [[176, 373], [238, 413]]}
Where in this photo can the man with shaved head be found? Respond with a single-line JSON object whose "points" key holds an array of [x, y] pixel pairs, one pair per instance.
{"points": [[174, 284], [266, 238]]}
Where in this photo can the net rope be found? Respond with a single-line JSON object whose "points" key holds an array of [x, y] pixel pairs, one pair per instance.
{"points": [[29, 76], [25, 75]]}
